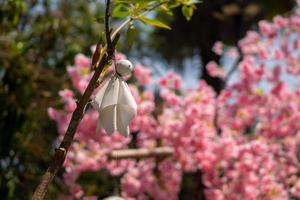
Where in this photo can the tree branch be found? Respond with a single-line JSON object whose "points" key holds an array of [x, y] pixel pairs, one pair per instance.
{"points": [[199, 187], [141, 153], [61, 152]]}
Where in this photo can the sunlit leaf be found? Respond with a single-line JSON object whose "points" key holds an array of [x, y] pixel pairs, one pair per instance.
{"points": [[187, 11], [154, 22], [195, 1], [133, 1], [103, 38], [166, 9], [120, 11]]}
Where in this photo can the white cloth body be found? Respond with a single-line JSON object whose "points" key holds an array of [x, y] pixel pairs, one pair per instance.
{"points": [[116, 106]]}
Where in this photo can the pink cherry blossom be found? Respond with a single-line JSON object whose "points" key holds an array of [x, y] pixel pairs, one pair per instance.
{"points": [[171, 81], [82, 61], [214, 70], [142, 74], [244, 141], [218, 48]]}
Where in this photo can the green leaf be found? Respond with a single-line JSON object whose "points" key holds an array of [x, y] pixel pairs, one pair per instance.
{"points": [[154, 22], [195, 1], [131, 35], [103, 38], [187, 11], [120, 11], [133, 1], [166, 9]]}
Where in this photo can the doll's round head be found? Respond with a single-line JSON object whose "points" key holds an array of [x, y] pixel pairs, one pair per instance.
{"points": [[124, 68]]}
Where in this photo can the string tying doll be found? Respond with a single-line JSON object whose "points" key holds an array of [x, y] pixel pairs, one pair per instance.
{"points": [[114, 101]]}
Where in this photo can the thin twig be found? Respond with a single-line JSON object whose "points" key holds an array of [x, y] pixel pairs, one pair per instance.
{"points": [[117, 30], [154, 7], [234, 66], [107, 31]]}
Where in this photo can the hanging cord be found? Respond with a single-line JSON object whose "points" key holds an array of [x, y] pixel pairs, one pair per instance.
{"points": [[114, 63]]}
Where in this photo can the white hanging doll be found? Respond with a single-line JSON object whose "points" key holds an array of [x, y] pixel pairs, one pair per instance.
{"points": [[114, 101]]}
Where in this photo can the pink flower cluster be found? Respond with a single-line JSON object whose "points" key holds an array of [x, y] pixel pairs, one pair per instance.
{"points": [[246, 141], [214, 70]]}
